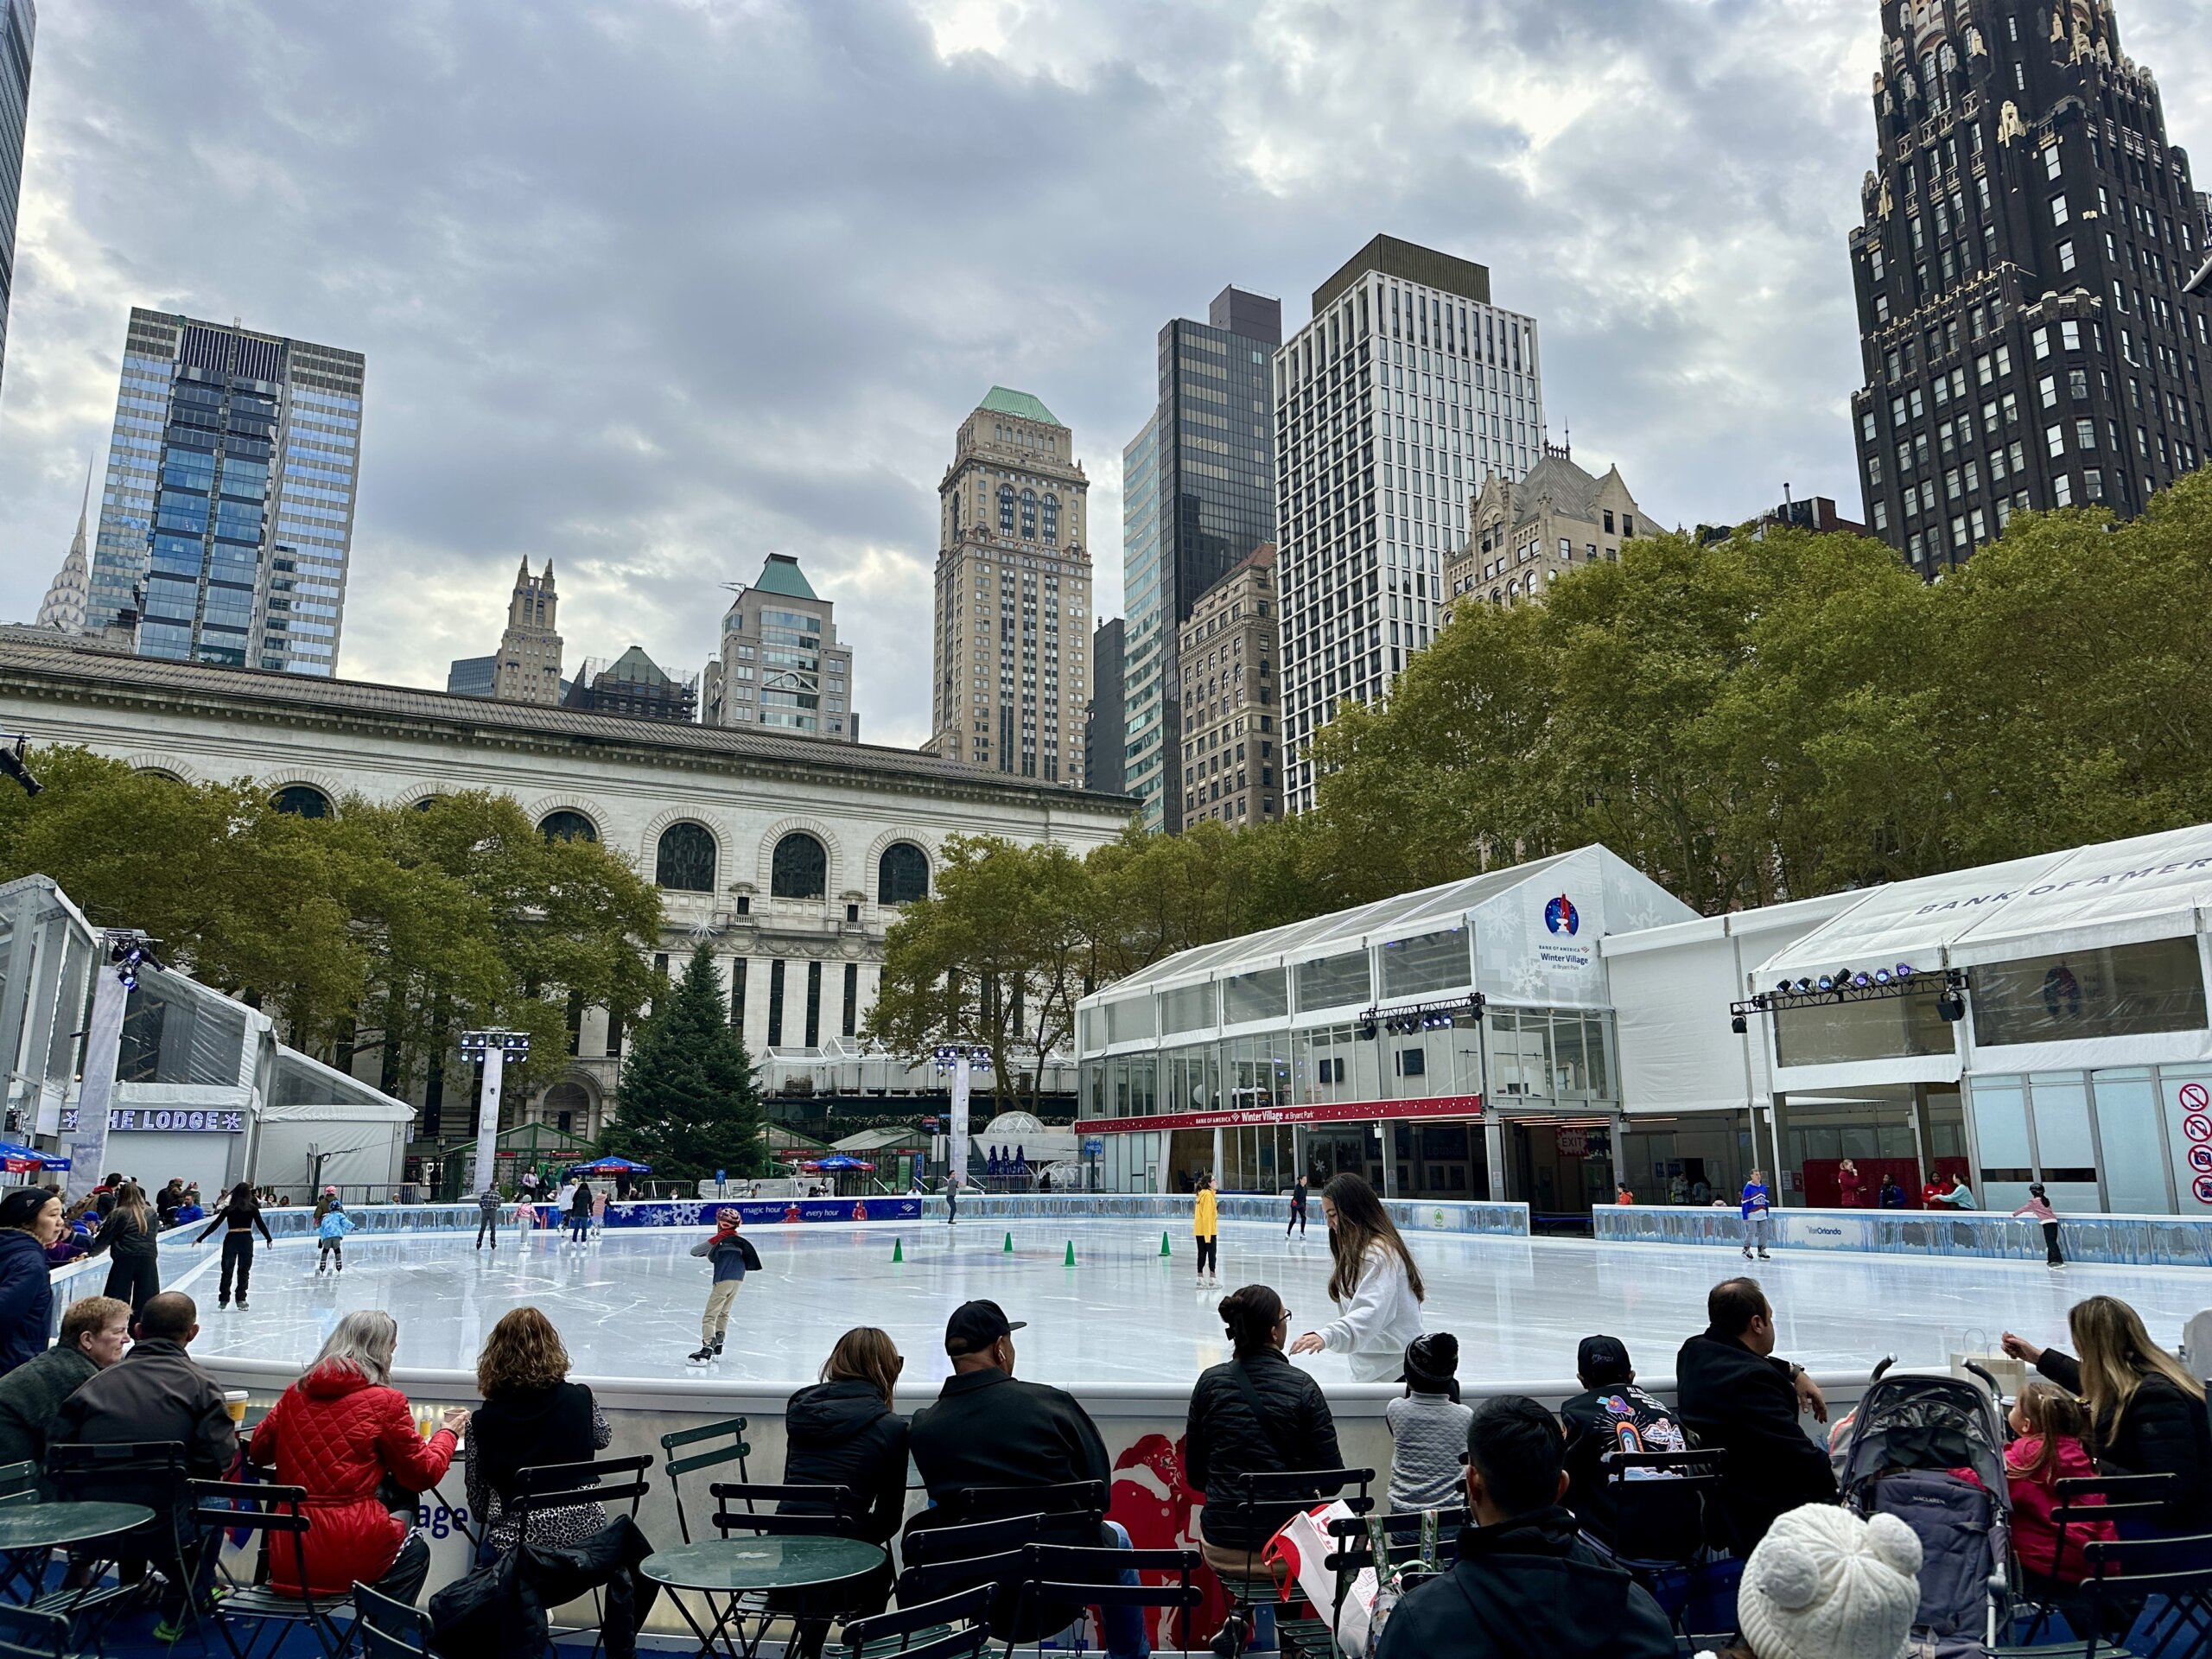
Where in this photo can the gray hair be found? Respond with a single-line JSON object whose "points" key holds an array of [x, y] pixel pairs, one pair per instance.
{"points": [[365, 1340]]}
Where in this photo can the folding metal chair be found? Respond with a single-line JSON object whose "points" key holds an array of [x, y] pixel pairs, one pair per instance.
{"points": [[1659, 1505], [272, 1512], [1059, 1581], [971, 1503], [954, 1627], [2084, 1500], [1298, 1488], [2160, 1589], [26, 1633], [675, 1468], [540, 1487], [402, 1621], [149, 1472]]}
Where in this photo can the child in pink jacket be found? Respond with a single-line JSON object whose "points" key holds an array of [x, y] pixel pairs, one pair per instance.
{"points": [[2049, 1423]]}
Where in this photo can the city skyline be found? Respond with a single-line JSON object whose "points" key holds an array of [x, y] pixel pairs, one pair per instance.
{"points": [[1669, 194]]}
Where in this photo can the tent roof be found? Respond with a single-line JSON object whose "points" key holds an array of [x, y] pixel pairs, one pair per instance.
{"points": [[2114, 892]]}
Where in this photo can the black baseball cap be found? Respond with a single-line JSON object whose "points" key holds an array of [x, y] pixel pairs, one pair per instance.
{"points": [[975, 1326], [1601, 1360]]}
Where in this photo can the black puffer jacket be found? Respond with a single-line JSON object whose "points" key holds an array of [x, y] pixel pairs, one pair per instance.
{"points": [[1746, 1404], [841, 1434], [1224, 1438], [2164, 1431]]}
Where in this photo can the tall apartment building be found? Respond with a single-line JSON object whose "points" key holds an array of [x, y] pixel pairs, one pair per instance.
{"points": [[781, 666], [1523, 536], [527, 668], [1105, 721], [2026, 234], [1231, 757], [1197, 496], [18, 28], [1009, 676], [1406, 387], [228, 518]]}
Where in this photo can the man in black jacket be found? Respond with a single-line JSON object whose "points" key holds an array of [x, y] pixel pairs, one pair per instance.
{"points": [[987, 1429], [1525, 1582], [1732, 1393]]}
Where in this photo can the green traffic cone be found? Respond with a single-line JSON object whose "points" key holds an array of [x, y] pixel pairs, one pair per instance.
{"points": [[1070, 1261], [1009, 1245], [897, 1249], [1163, 1249]]}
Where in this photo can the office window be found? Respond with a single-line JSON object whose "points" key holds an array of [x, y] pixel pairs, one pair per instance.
{"points": [[776, 1003]]}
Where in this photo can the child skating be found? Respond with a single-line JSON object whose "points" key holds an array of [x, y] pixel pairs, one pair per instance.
{"points": [[331, 1236], [733, 1258]]}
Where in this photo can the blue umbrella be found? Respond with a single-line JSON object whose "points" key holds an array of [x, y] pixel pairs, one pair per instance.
{"points": [[21, 1160], [610, 1166]]}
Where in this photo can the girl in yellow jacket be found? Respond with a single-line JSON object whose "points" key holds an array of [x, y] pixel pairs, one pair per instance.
{"points": [[1208, 1231]]}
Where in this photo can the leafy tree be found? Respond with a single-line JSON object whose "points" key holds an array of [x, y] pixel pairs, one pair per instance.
{"points": [[689, 1104]]}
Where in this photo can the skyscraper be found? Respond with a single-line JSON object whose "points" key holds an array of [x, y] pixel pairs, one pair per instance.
{"points": [[1105, 720], [2019, 266], [229, 505], [64, 595], [1009, 680], [1198, 495], [781, 666], [18, 28], [1407, 388], [1230, 767], [528, 666]]}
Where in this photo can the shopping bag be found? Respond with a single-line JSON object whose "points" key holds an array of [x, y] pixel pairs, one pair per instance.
{"points": [[1299, 1553]]}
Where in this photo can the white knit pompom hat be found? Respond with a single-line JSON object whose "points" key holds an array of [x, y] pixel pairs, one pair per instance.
{"points": [[1825, 1584]]}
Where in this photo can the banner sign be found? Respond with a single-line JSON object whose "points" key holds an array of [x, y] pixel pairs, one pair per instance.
{"points": [[700, 1212], [164, 1118]]}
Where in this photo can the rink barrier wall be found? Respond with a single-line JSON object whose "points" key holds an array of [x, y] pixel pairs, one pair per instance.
{"points": [[1412, 1215], [2119, 1241]]}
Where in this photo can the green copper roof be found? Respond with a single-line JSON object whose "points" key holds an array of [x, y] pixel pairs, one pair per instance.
{"points": [[1019, 403], [781, 575]]}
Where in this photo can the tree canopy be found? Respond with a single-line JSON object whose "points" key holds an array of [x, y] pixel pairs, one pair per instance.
{"points": [[688, 1105], [381, 929]]}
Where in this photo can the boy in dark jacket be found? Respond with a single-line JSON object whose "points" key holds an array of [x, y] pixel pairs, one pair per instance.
{"points": [[733, 1258], [1731, 1392], [1612, 1415], [1524, 1583]]}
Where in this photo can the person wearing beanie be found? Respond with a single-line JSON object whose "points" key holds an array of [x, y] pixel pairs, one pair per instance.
{"points": [[1825, 1584], [1525, 1581], [1612, 1415], [1428, 1427]]}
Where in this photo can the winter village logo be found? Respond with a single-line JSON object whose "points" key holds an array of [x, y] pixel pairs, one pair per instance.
{"points": [[1561, 917]]}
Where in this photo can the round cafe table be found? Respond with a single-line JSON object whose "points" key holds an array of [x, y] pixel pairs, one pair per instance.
{"points": [[28, 1531], [730, 1571]]}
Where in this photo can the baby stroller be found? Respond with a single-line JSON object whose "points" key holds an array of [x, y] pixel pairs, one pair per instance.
{"points": [[1929, 1448]]}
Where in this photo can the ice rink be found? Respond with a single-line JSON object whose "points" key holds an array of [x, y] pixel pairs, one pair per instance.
{"points": [[628, 1303]]}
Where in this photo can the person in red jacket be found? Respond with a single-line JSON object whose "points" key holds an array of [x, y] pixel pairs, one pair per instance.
{"points": [[1850, 1184], [338, 1431]]}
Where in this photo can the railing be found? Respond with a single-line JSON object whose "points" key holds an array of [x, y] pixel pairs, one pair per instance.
{"points": [[2135, 1241]]}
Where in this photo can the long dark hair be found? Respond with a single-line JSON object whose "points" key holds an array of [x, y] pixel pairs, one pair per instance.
{"points": [[244, 1206], [1361, 1223]]}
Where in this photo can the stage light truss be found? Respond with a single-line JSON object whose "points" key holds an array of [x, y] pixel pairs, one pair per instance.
{"points": [[1423, 1016], [1948, 986]]}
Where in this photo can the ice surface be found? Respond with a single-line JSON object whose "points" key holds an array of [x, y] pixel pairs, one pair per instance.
{"points": [[628, 1303]]}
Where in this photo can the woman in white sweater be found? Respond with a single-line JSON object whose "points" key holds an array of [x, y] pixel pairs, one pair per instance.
{"points": [[1374, 1283]]}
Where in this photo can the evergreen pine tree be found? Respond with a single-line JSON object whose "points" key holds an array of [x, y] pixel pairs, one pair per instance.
{"points": [[689, 1104]]}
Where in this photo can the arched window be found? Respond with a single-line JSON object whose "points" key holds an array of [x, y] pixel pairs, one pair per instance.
{"points": [[565, 825], [800, 868], [1005, 509], [567, 1106], [426, 803], [686, 863], [902, 874], [1029, 515], [1051, 518], [302, 800]]}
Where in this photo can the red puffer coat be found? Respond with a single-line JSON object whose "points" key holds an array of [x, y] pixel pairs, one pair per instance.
{"points": [[337, 1434]]}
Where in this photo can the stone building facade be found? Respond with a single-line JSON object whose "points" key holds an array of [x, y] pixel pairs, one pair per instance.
{"points": [[1228, 658], [792, 856], [528, 667], [2025, 237], [1010, 678], [1523, 536]]}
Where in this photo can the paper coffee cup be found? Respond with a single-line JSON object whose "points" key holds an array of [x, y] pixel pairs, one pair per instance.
{"points": [[234, 1402]]}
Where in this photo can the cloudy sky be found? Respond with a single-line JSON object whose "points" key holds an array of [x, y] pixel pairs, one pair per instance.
{"points": [[653, 287]]}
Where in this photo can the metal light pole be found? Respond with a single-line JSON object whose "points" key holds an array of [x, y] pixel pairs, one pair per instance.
{"points": [[961, 1060], [494, 1048]]}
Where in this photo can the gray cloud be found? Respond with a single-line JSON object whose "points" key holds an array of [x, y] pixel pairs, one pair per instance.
{"points": [[651, 288]]}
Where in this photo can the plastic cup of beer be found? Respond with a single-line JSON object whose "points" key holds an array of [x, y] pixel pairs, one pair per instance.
{"points": [[234, 1403]]}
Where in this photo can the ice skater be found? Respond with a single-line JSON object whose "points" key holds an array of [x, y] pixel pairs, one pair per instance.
{"points": [[1757, 1206], [330, 1235], [733, 1257], [1297, 1210], [242, 1213], [580, 1213], [2038, 1205], [1206, 1226], [952, 1186], [487, 1217], [1372, 1279]]}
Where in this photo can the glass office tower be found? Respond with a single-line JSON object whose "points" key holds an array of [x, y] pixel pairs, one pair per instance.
{"points": [[227, 517], [1197, 497], [18, 24]]}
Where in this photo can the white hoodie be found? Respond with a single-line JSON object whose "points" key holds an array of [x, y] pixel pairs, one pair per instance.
{"points": [[1382, 1318]]}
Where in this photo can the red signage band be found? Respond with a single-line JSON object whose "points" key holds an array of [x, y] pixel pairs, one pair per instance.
{"points": [[1356, 1112]]}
